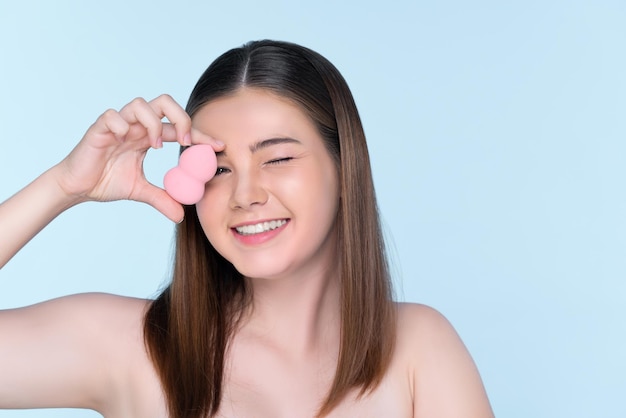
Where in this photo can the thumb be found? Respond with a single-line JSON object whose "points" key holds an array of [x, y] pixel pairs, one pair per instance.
{"points": [[161, 201]]}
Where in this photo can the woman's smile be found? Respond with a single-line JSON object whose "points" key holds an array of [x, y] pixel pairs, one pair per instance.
{"points": [[260, 232], [258, 228]]}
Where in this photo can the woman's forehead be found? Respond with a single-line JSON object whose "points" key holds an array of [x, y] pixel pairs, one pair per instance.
{"points": [[252, 112]]}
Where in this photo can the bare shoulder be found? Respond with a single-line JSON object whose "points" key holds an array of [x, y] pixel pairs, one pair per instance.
{"points": [[412, 315], [97, 303], [90, 314], [105, 307], [424, 328], [74, 351], [445, 381], [96, 316]]}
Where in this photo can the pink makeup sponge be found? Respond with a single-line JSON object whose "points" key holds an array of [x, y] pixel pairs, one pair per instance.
{"points": [[185, 182]]}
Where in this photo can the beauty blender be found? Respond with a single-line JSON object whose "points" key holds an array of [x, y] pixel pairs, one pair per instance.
{"points": [[196, 166]]}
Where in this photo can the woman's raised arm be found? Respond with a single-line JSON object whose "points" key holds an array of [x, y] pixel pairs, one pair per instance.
{"points": [[106, 165]]}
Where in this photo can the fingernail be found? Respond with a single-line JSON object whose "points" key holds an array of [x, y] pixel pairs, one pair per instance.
{"points": [[219, 143], [187, 139], [159, 142]]}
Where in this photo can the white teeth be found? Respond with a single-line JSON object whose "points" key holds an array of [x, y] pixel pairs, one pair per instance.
{"points": [[260, 227]]}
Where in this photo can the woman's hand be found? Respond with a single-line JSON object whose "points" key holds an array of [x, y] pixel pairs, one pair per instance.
{"points": [[108, 162], [106, 165]]}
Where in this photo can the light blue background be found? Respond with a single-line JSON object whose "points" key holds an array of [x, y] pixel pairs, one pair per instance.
{"points": [[497, 134]]}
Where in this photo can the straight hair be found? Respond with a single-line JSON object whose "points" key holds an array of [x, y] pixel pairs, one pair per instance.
{"points": [[188, 327]]}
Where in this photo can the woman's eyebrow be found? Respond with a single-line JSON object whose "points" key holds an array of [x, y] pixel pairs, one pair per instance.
{"points": [[257, 146], [272, 141]]}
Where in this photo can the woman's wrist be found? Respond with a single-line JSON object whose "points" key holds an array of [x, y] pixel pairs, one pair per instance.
{"points": [[58, 195]]}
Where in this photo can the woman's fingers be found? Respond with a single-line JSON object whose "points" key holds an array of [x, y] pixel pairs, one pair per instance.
{"points": [[149, 115], [161, 201], [199, 137], [110, 122], [166, 106], [169, 133], [140, 112]]}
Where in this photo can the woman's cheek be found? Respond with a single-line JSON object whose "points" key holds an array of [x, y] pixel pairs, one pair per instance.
{"points": [[210, 209]]}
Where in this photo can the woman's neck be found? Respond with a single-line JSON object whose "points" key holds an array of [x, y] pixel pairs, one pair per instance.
{"points": [[300, 315]]}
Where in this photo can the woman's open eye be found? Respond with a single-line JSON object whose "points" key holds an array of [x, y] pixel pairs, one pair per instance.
{"points": [[221, 170], [280, 160]]}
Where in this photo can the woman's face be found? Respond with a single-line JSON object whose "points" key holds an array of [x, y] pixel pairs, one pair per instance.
{"points": [[271, 208]]}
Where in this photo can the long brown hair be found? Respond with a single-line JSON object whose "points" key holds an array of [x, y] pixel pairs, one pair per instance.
{"points": [[188, 327]]}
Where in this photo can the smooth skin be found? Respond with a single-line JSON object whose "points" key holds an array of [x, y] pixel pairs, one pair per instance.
{"points": [[87, 351]]}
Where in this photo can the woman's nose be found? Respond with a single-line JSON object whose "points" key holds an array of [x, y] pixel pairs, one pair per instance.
{"points": [[248, 191]]}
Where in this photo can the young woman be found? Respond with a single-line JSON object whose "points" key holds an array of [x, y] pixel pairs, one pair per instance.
{"points": [[280, 303]]}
